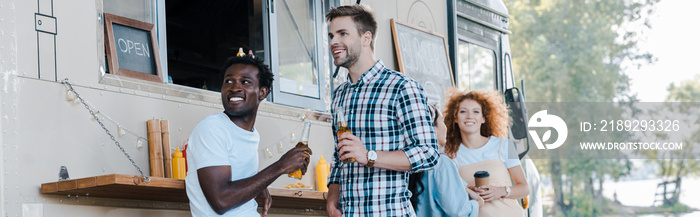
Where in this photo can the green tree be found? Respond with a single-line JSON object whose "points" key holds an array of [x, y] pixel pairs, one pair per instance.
{"points": [[686, 91], [682, 102], [573, 51]]}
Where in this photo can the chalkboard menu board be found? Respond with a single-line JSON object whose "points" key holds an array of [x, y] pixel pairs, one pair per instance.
{"points": [[423, 56], [132, 48]]}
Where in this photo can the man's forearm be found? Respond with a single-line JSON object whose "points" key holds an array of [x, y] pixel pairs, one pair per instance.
{"points": [[333, 194], [235, 193], [393, 160], [253, 185]]}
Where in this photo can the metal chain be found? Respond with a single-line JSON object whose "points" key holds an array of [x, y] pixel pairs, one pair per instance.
{"points": [[65, 82]]}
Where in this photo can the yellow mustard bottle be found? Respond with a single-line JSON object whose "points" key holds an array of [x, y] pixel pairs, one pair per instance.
{"points": [[178, 165], [322, 175], [303, 142]]}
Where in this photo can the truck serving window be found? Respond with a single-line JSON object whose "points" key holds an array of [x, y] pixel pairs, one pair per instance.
{"points": [[196, 37], [297, 46], [477, 67], [297, 49], [202, 34], [141, 10]]}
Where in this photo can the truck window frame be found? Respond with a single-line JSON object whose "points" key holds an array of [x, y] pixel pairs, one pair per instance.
{"points": [[494, 72], [321, 63]]}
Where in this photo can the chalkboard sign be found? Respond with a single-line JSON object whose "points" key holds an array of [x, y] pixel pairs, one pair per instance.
{"points": [[423, 56], [132, 48]]}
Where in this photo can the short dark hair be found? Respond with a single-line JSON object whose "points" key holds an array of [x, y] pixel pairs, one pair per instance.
{"points": [[265, 75], [362, 15]]}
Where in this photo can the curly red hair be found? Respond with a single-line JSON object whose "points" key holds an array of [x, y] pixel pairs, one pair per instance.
{"points": [[493, 108]]}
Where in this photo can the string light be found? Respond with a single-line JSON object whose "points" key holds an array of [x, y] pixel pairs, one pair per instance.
{"points": [[70, 96], [268, 154], [140, 140], [291, 138], [279, 143], [280, 147], [139, 143], [121, 130]]}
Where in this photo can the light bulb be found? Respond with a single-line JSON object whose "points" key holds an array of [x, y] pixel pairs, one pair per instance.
{"points": [[268, 153], [121, 130], [70, 96], [139, 143], [280, 147]]}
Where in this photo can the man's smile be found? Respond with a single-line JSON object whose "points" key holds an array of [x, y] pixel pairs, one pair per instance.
{"points": [[235, 99], [338, 51]]}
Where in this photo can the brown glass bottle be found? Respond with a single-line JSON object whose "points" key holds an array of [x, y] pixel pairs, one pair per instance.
{"points": [[343, 128], [303, 142]]}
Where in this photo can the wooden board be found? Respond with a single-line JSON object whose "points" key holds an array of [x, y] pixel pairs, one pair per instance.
{"points": [[168, 190], [120, 186], [297, 199]]}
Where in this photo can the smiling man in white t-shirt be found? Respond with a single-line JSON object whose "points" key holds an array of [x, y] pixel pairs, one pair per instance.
{"points": [[223, 148]]}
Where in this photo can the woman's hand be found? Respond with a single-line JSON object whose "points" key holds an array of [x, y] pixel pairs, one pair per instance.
{"points": [[473, 195], [490, 193]]}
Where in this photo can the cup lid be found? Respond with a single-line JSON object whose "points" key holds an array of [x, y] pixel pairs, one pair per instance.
{"points": [[481, 174]]}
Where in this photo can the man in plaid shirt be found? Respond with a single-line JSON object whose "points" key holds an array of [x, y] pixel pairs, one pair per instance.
{"points": [[387, 113]]}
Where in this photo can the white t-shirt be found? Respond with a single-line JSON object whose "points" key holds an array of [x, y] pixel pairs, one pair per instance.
{"points": [[489, 152], [217, 141]]}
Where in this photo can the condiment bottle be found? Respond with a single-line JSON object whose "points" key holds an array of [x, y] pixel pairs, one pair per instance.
{"points": [[240, 52], [322, 175], [178, 165]]}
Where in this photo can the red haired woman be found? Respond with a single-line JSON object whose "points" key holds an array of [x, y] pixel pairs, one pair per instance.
{"points": [[477, 131]]}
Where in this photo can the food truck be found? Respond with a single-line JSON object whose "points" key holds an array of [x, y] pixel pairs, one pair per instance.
{"points": [[81, 79]]}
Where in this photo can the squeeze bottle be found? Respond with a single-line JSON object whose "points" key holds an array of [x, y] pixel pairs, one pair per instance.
{"points": [[240, 52], [322, 175], [178, 165]]}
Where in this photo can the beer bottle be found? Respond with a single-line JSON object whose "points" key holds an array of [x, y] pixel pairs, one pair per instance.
{"points": [[303, 142], [343, 128]]}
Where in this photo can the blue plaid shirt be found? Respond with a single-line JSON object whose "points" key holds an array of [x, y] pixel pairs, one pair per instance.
{"points": [[388, 111]]}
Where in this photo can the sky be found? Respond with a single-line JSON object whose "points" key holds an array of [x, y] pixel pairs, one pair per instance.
{"points": [[674, 41]]}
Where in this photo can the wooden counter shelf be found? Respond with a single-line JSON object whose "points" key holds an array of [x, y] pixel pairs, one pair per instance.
{"points": [[168, 190], [120, 186], [298, 199]]}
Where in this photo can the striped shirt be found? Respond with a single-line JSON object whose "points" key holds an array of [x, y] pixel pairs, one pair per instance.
{"points": [[388, 111]]}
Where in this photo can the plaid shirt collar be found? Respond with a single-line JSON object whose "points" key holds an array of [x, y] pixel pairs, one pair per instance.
{"points": [[368, 75]]}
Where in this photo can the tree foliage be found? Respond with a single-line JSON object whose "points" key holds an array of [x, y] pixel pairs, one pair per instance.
{"points": [[576, 51], [682, 102], [573, 51], [686, 91]]}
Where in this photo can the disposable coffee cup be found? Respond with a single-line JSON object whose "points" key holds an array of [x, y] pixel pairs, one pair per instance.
{"points": [[481, 178]]}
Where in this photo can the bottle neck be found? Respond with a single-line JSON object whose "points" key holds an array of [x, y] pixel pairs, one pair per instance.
{"points": [[305, 133]]}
